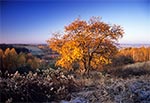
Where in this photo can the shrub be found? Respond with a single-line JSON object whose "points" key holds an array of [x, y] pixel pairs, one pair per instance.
{"points": [[122, 60], [46, 87]]}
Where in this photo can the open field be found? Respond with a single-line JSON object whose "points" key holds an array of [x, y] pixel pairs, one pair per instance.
{"points": [[100, 87]]}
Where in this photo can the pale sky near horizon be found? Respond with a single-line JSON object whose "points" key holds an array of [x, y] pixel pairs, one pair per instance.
{"points": [[33, 21]]}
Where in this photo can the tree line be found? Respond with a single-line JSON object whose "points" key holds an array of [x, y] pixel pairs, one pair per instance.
{"points": [[10, 61], [137, 54]]}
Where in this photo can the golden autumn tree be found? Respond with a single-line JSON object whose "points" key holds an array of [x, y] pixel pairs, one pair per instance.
{"points": [[7, 59], [21, 60], [13, 59], [88, 44], [10, 59]]}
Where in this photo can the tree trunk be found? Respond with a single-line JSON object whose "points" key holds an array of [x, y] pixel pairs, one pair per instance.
{"points": [[88, 65], [85, 67], [2, 68]]}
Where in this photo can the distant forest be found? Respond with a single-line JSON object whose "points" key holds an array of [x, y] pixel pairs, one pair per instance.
{"points": [[18, 50]]}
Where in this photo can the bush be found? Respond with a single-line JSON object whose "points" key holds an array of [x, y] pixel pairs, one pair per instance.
{"points": [[122, 60], [46, 87]]}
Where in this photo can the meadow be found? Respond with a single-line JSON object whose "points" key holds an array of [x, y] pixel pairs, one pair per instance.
{"points": [[128, 82]]}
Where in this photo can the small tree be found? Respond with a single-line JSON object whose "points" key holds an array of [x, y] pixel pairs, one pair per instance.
{"points": [[89, 43]]}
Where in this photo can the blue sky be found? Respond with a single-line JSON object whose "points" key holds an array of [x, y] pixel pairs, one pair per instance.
{"points": [[33, 21]]}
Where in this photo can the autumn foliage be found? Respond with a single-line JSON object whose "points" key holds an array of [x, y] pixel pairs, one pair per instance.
{"points": [[11, 61], [86, 44], [137, 54]]}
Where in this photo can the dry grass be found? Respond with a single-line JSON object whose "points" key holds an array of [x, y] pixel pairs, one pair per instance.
{"points": [[127, 87], [128, 84], [130, 70], [116, 90]]}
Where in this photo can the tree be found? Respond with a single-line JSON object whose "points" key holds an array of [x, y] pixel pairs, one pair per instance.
{"points": [[13, 59], [7, 59], [21, 60], [2, 62], [89, 43]]}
